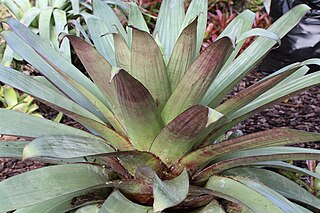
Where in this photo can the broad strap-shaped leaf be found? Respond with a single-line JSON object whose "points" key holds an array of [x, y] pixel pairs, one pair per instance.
{"points": [[236, 190], [183, 54], [275, 137], [33, 87], [12, 149], [243, 64], [247, 157], [108, 17], [169, 193], [135, 20], [44, 23], [63, 104], [287, 166], [277, 199], [99, 70], [240, 24], [185, 132], [197, 79], [60, 204], [122, 51], [54, 57], [140, 113], [249, 94], [64, 179], [197, 9], [21, 124], [117, 202], [101, 36], [280, 184], [169, 23], [148, 67], [65, 146], [60, 21]]}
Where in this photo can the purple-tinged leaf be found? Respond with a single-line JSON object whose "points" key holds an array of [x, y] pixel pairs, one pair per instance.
{"points": [[183, 55], [197, 79], [275, 137], [147, 65], [140, 113], [254, 91], [184, 132], [222, 166]]}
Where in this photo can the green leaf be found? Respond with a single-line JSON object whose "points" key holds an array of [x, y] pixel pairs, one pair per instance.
{"points": [[122, 51], [247, 157], [240, 24], [65, 146], [184, 133], [45, 23], [60, 20], [101, 37], [54, 57], [169, 193], [259, 32], [10, 96], [140, 113], [275, 137], [13, 8], [64, 180], [147, 65], [33, 87], [12, 149], [25, 5], [197, 9], [100, 71], [117, 202], [21, 124], [108, 17], [286, 166], [183, 54], [236, 190], [197, 79], [60, 204], [136, 20], [169, 23], [270, 194], [42, 65], [232, 74], [280, 184], [246, 96]]}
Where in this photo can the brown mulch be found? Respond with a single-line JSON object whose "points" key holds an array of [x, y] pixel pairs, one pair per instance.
{"points": [[300, 112]]}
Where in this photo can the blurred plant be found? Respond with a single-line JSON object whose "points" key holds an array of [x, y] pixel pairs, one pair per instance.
{"points": [[10, 99]]}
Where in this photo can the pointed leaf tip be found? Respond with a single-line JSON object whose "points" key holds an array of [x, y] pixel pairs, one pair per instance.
{"points": [[170, 193]]}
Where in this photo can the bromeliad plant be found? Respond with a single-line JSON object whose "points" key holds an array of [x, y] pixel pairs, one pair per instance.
{"points": [[155, 119]]}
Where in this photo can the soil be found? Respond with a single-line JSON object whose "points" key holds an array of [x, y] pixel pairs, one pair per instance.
{"points": [[300, 112]]}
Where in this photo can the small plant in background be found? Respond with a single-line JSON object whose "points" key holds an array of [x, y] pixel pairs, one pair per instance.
{"points": [[10, 99], [157, 136]]}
